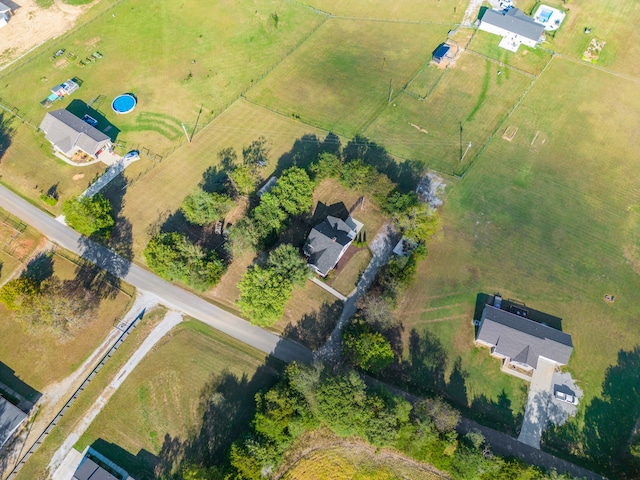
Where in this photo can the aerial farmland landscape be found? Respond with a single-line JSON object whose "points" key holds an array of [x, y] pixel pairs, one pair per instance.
{"points": [[319, 239]]}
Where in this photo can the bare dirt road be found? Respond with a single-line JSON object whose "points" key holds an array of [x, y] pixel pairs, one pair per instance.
{"points": [[31, 26]]}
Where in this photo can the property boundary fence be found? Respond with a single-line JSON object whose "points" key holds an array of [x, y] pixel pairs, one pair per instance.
{"points": [[75, 395]]}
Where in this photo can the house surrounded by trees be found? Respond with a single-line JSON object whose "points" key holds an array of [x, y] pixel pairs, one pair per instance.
{"points": [[328, 241]]}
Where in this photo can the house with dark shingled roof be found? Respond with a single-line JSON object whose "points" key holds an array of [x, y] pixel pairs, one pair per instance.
{"points": [[328, 241], [519, 341]]}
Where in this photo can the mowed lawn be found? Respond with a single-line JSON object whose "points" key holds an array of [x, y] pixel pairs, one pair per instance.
{"points": [[161, 191], [184, 62], [611, 21], [40, 358], [191, 375], [30, 169], [340, 78], [552, 222], [426, 11], [473, 95]]}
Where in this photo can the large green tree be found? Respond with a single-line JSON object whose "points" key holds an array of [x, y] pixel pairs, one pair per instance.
{"points": [[174, 257], [294, 190], [244, 179], [287, 261], [15, 291], [90, 216], [263, 295], [268, 216], [203, 207], [365, 348], [417, 222]]}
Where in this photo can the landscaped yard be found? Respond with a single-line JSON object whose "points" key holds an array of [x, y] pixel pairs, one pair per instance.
{"points": [[195, 383], [350, 269], [40, 358], [550, 219]]}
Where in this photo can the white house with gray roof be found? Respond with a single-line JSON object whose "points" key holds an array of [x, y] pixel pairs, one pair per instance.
{"points": [[328, 241], [519, 341], [69, 134], [513, 26], [11, 417]]}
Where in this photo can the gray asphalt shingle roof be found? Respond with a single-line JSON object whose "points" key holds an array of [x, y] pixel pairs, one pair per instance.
{"points": [[90, 470], [325, 243], [66, 132], [521, 339], [10, 419], [514, 21]]}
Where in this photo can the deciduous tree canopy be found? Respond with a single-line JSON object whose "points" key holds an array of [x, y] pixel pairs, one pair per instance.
{"points": [[90, 216], [173, 257], [203, 207], [294, 191]]}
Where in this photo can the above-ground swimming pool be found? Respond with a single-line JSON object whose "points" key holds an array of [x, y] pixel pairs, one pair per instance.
{"points": [[124, 103]]}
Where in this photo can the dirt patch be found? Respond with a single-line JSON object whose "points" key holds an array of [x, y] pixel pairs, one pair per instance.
{"points": [[78, 176], [31, 25]]}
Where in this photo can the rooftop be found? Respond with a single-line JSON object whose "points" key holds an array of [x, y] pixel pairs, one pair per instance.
{"points": [[514, 21], [521, 339]]}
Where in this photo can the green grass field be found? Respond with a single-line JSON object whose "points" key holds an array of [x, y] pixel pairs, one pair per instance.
{"points": [[193, 370], [551, 222], [340, 78], [39, 358], [184, 63], [408, 11], [473, 93]]}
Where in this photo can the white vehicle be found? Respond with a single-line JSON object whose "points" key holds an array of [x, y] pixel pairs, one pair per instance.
{"points": [[565, 397]]}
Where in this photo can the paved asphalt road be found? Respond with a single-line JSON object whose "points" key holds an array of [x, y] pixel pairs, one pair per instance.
{"points": [[170, 295]]}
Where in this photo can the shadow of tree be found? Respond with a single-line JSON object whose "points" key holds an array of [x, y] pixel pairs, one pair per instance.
{"points": [[226, 408], [314, 329], [6, 132], [405, 174], [39, 267], [608, 421]]}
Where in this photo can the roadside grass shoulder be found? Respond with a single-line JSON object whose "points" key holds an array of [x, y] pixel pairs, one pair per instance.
{"points": [[41, 358], [173, 393], [36, 467], [341, 78]]}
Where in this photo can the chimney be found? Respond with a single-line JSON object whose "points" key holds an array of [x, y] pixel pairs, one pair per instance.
{"points": [[334, 239]]}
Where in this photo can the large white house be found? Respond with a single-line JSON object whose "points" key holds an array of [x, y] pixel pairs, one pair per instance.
{"points": [[513, 26]]}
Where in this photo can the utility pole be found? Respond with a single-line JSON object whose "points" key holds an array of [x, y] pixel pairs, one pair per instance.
{"points": [[465, 152], [187, 135], [390, 92], [460, 141]]}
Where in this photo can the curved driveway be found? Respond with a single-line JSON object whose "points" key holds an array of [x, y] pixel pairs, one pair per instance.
{"points": [[170, 295]]}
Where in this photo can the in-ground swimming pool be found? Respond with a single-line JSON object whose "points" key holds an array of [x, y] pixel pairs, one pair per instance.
{"points": [[124, 103]]}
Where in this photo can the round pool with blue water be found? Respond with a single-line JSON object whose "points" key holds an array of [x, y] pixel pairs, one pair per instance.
{"points": [[124, 103]]}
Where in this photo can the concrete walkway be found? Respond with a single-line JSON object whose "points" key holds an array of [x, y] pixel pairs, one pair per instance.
{"points": [[326, 287], [112, 172], [539, 401]]}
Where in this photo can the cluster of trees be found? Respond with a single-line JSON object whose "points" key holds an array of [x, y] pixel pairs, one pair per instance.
{"points": [[90, 216], [366, 348], [202, 208], [246, 176], [310, 397], [291, 195], [265, 289], [51, 304], [173, 257]]}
